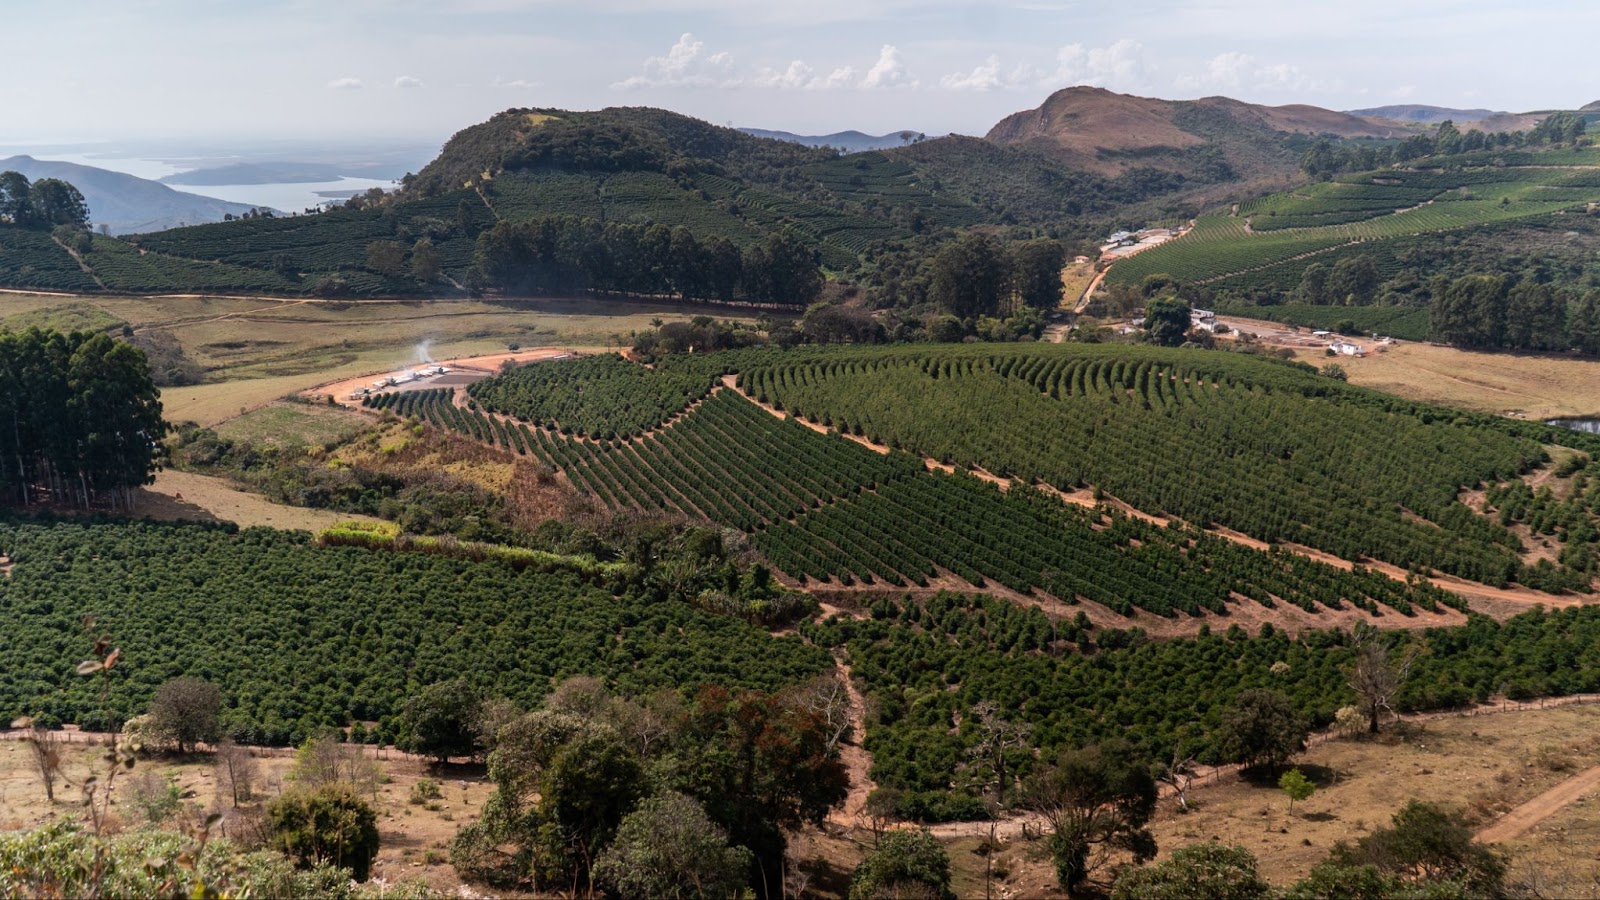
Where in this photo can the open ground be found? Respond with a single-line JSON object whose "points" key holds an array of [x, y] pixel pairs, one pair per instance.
{"points": [[1530, 767], [1520, 385]]}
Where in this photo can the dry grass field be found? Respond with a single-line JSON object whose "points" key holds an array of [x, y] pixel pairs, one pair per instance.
{"points": [[295, 424], [186, 496], [414, 838], [1526, 386], [254, 351]]}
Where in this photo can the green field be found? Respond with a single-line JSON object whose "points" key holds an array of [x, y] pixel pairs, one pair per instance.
{"points": [[1271, 239]]}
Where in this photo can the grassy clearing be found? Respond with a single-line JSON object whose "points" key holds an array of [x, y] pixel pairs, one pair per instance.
{"points": [[1486, 765], [413, 838], [295, 424], [1533, 387], [185, 496], [72, 316]]}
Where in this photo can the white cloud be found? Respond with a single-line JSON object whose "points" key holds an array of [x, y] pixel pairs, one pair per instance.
{"points": [[889, 71], [1118, 65], [1235, 71], [345, 84], [799, 76], [500, 81], [989, 77], [686, 64], [408, 81]]}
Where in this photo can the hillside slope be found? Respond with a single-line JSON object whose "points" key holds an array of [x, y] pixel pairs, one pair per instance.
{"points": [[124, 203], [1109, 133], [848, 141]]}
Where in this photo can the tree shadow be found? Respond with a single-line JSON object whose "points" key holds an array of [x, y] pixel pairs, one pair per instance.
{"points": [[1267, 776], [1319, 817]]}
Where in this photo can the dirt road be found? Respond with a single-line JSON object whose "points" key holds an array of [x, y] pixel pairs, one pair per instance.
{"points": [[1519, 821]]}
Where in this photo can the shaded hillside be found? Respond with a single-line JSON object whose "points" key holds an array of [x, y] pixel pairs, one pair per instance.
{"points": [[1108, 133], [1421, 114], [124, 203], [619, 139], [848, 141]]}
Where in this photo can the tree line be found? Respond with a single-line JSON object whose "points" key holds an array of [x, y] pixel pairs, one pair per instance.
{"points": [[564, 253], [44, 204], [80, 418], [1500, 312], [1324, 159]]}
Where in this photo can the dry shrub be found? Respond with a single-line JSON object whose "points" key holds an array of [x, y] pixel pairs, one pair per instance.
{"points": [[1554, 758]]}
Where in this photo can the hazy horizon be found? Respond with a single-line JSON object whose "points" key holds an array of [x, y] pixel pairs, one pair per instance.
{"points": [[405, 70]]}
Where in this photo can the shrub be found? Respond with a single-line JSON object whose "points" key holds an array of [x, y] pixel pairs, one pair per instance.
{"points": [[905, 863], [327, 825], [424, 790]]}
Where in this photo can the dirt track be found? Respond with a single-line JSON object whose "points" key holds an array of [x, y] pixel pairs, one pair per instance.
{"points": [[1517, 822]]}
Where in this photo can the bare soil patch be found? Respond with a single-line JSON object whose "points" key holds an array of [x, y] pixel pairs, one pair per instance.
{"points": [[186, 496]]}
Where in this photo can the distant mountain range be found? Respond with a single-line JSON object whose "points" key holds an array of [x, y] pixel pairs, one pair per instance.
{"points": [[848, 141], [277, 173], [1426, 115], [126, 204]]}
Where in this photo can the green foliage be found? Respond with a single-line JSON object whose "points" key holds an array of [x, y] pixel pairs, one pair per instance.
{"points": [[441, 721], [1408, 323], [598, 396], [1166, 321], [154, 797], [1197, 872], [1097, 801], [971, 276], [286, 629], [424, 790], [667, 847], [186, 711], [565, 781], [1262, 728], [565, 254], [1296, 785], [327, 825], [1082, 414], [905, 862], [82, 418], [1426, 846], [63, 860], [927, 665]]}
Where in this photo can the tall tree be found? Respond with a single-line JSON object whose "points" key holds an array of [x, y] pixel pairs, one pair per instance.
{"points": [[668, 847], [970, 276], [16, 202], [424, 260], [1166, 321], [55, 202], [187, 711], [1036, 268], [1261, 728], [1097, 801], [1377, 675], [440, 721]]}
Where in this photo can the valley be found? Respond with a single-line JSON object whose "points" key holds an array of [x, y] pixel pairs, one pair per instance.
{"points": [[630, 505]]}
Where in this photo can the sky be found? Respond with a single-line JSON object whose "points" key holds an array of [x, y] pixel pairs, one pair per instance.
{"points": [[93, 70]]}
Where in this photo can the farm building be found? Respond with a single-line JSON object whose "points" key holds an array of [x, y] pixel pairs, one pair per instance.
{"points": [[1347, 348]]}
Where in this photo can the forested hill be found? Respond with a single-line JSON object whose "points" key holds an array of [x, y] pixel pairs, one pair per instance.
{"points": [[714, 192]]}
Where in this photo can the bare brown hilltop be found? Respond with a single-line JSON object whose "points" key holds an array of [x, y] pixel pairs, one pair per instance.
{"points": [[1107, 132]]}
